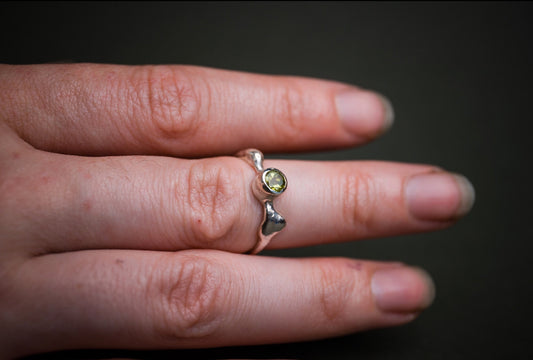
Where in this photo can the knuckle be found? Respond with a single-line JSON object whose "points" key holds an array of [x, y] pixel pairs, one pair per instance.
{"points": [[190, 293], [168, 98], [289, 105], [359, 194], [336, 286], [214, 199]]}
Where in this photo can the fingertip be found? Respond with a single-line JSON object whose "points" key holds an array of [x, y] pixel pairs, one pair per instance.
{"points": [[388, 113], [439, 196], [364, 113], [468, 195], [402, 289]]}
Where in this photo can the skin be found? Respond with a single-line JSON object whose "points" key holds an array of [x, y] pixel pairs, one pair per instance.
{"points": [[124, 219]]}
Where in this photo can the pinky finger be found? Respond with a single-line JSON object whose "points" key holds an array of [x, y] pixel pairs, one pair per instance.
{"points": [[201, 298]]}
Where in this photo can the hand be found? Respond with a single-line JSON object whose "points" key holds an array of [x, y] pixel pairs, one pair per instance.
{"points": [[111, 238]]}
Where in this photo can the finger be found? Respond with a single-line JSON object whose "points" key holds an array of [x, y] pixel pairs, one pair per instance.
{"points": [[134, 299], [182, 110], [158, 203]]}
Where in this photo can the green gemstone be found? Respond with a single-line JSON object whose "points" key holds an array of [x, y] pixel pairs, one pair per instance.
{"points": [[275, 180]]}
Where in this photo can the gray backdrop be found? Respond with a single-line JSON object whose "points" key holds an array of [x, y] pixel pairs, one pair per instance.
{"points": [[459, 76]]}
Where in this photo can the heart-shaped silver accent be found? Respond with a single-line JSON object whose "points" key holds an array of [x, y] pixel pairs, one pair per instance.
{"points": [[274, 222]]}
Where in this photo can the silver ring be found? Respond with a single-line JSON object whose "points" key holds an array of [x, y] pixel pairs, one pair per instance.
{"points": [[268, 184]]}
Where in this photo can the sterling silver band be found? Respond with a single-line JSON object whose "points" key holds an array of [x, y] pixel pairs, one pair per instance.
{"points": [[268, 184]]}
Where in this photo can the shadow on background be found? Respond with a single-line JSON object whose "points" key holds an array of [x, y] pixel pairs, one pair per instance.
{"points": [[368, 345]]}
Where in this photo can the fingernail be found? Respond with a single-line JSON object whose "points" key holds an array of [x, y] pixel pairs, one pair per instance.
{"points": [[402, 289], [439, 196], [364, 113], [388, 112]]}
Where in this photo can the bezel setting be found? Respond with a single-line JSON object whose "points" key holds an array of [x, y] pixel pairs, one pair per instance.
{"points": [[269, 188]]}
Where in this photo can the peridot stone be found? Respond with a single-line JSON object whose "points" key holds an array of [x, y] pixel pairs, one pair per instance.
{"points": [[275, 180]]}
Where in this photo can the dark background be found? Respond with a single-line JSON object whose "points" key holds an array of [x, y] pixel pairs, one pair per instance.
{"points": [[459, 76]]}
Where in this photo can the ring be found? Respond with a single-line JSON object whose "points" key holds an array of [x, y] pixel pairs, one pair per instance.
{"points": [[268, 184]]}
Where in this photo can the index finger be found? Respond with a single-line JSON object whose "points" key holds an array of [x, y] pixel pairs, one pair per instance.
{"points": [[183, 111]]}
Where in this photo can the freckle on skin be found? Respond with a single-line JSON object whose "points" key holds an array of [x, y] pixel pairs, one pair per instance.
{"points": [[111, 75], [355, 265], [119, 261], [87, 205], [45, 179], [16, 155]]}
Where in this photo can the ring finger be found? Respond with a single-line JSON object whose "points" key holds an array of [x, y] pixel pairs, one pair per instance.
{"points": [[159, 203]]}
